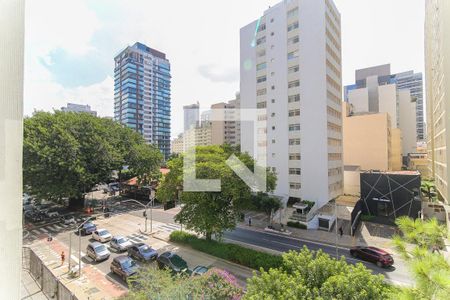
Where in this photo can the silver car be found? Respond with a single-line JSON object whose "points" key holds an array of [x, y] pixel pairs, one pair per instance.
{"points": [[120, 243], [97, 251]]}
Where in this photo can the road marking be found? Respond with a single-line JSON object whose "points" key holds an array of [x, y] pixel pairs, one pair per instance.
{"points": [[43, 230], [35, 232]]}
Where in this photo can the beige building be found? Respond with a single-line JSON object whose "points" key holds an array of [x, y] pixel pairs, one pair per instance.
{"points": [[370, 143], [437, 73], [376, 91], [177, 144]]}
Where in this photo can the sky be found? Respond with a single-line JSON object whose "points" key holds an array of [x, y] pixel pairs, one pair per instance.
{"points": [[70, 46]]}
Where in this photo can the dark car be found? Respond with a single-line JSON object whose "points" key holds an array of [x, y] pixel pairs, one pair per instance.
{"points": [[88, 228], [124, 266], [34, 216], [374, 255], [172, 262], [142, 252]]}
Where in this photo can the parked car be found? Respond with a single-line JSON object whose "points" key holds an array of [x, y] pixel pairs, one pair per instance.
{"points": [[87, 228], [374, 255], [34, 216], [52, 213], [101, 235], [172, 262], [199, 271], [97, 251], [68, 219], [142, 252], [120, 243], [123, 266]]}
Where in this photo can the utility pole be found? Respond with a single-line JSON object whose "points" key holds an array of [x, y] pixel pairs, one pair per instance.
{"points": [[336, 227], [70, 250], [152, 198]]}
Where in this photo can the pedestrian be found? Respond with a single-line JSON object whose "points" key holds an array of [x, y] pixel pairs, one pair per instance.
{"points": [[63, 257], [249, 221], [341, 232]]}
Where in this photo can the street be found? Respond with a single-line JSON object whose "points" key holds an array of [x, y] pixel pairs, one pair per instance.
{"points": [[129, 225]]}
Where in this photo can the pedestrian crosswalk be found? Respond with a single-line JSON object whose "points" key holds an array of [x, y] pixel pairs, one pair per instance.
{"points": [[169, 227], [50, 229]]}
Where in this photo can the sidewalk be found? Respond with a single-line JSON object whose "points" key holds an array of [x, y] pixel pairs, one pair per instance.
{"points": [[91, 285], [362, 238], [29, 289]]}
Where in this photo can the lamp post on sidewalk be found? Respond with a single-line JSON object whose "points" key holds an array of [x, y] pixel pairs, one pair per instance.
{"points": [[150, 203]]}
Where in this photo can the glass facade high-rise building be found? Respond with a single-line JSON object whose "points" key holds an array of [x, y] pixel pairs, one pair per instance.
{"points": [[142, 93]]}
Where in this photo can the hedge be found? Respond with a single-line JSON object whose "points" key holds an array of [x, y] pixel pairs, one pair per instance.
{"points": [[367, 218], [296, 225], [231, 252]]}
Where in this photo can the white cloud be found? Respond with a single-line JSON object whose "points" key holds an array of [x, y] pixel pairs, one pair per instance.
{"points": [[216, 74]]}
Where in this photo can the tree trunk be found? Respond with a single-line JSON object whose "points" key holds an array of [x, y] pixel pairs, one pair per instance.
{"points": [[208, 236]]}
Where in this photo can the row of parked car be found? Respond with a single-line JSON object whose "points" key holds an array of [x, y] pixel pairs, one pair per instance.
{"points": [[126, 265]]}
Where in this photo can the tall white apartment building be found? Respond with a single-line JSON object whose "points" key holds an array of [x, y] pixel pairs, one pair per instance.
{"points": [[291, 65], [437, 73]]}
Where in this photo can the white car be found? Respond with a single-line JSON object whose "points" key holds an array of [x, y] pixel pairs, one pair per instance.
{"points": [[101, 235], [120, 243]]}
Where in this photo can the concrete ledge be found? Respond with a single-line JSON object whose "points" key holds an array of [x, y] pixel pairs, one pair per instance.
{"points": [[288, 233]]}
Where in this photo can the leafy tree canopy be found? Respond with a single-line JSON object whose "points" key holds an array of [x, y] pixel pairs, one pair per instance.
{"points": [[211, 212], [419, 244], [315, 275], [65, 154]]}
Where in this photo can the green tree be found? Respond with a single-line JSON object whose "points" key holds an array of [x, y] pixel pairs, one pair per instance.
{"points": [[419, 245], [315, 275], [66, 154], [211, 212], [428, 187], [266, 203]]}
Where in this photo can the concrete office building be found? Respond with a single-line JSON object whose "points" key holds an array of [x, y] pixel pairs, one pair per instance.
{"points": [[290, 64], [191, 115], [375, 90], [142, 93], [72, 107], [437, 74]]}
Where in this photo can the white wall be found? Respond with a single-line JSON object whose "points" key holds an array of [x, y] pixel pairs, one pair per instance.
{"points": [[407, 122], [359, 99], [388, 101], [11, 112]]}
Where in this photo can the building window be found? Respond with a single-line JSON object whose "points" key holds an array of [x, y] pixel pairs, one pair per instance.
{"points": [[273, 127], [261, 40], [272, 73], [261, 66], [293, 142], [261, 92], [294, 83], [262, 117], [273, 115], [334, 127], [293, 40], [262, 27], [261, 52], [294, 112], [273, 87], [273, 141], [292, 55], [295, 171], [273, 100], [334, 156], [293, 69], [271, 20], [292, 26], [295, 186], [261, 79], [294, 98], [261, 104], [294, 127], [292, 12], [272, 33]]}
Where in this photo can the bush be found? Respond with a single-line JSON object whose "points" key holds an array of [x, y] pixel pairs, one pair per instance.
{"points": [[296, 225], [234, 253]]}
